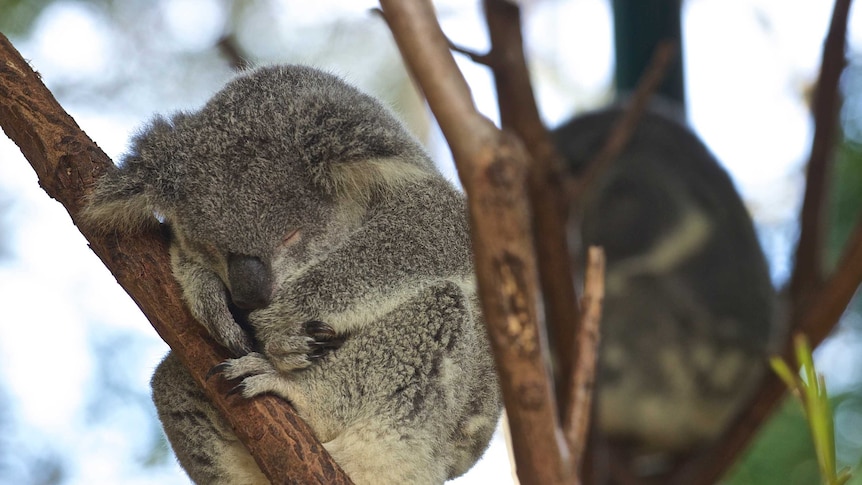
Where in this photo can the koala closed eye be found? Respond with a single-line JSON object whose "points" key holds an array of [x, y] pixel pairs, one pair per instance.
{"points": [[292, 237]]}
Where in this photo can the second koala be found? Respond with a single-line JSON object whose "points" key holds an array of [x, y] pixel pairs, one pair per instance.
{"points": [[313, 237], [688, 309]]}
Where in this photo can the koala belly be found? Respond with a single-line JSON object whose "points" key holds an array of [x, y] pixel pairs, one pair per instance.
{"points": [[671, 377], [409, 398]]}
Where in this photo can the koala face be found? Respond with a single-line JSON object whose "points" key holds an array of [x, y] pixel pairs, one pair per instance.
{"points": [[251, 253], [269, 173], [247, 226]]}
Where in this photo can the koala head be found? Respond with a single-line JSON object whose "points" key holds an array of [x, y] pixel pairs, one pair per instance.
{"points": [[269, 172]]}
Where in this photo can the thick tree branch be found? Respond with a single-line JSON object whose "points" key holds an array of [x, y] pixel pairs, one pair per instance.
{"points": [[547, 173], [493, 169], [67, 163], [808, 267]]}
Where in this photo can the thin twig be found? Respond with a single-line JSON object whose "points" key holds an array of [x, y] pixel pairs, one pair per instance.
{"points": [[626, 125], [576, 422], [519, 113], [483, 59], [808, 266], [230, 49], [493, 170]]}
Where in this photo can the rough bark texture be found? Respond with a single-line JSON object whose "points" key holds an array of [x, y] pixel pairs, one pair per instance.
{"points": [[546, 183], [67, 163], [492, 166]]}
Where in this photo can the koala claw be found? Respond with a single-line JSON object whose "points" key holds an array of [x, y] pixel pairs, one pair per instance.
{"points": [[242, 367], [216, 369], [237, 389], [319, 330], [255, 372], [324, 345], [317, 355], [323, 338]]}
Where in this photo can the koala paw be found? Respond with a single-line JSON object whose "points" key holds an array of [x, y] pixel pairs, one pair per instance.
{"points": [[247, 365], [235, 339], [294, 352], [256, 373]]}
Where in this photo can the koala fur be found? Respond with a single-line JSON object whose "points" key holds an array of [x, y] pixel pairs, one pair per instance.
{"points": [[313, 237], [688, 309]]}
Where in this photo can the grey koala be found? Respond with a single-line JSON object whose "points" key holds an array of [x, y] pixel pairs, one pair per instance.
{"points": [[688, 311], [313, 237]]}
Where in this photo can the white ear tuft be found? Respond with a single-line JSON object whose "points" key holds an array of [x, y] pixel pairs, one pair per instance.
{"points": [[359, 180]]}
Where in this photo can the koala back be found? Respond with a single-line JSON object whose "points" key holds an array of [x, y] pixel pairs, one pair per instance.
{"points": [[688, 312]]}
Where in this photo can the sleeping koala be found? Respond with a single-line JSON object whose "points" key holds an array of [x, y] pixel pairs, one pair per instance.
{"points": [[313, 237], [688, 309]]}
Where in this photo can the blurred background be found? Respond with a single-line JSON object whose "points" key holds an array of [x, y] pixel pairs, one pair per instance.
{"points": [[75, 352]]}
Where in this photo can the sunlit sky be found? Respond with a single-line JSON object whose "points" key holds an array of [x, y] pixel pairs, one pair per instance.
{"points": [[747, 63]]}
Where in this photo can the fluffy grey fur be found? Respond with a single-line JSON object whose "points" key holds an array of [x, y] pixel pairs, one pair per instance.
{"points": [[313, 237], [688, 303]]}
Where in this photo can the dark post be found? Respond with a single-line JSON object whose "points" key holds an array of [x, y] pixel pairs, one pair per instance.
{"points": [[639, 26]]}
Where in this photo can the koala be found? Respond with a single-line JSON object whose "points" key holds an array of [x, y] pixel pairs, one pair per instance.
{"points": [[313, 237], [688, 309]]}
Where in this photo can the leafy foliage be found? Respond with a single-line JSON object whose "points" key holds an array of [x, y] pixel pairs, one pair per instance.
{"points": [[810, 389]]}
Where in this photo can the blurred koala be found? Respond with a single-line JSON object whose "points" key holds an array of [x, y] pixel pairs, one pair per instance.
{"points": [[313, 237], [688, 309]]}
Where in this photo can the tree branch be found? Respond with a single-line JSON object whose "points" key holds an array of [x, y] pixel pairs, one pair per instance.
{"points": [[547, 173], [828, 304], [576, 421], [623, 129], [492, 166], [67, 163], [808, 267], [815, 307]]}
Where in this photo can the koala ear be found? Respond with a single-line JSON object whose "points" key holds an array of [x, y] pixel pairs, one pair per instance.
{"points": [[128, 197], [121, 201], [359, 179]]}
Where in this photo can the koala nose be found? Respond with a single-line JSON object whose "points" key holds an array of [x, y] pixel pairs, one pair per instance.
{"points": [[250, 281]]}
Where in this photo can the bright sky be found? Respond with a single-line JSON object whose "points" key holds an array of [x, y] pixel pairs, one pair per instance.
{"points": [[744, 98]]}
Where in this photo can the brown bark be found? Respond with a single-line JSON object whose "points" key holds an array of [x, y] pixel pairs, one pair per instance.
{"points": [[576, 421], [547, 175], [493, 169], [67, 163], [807, 274]]}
